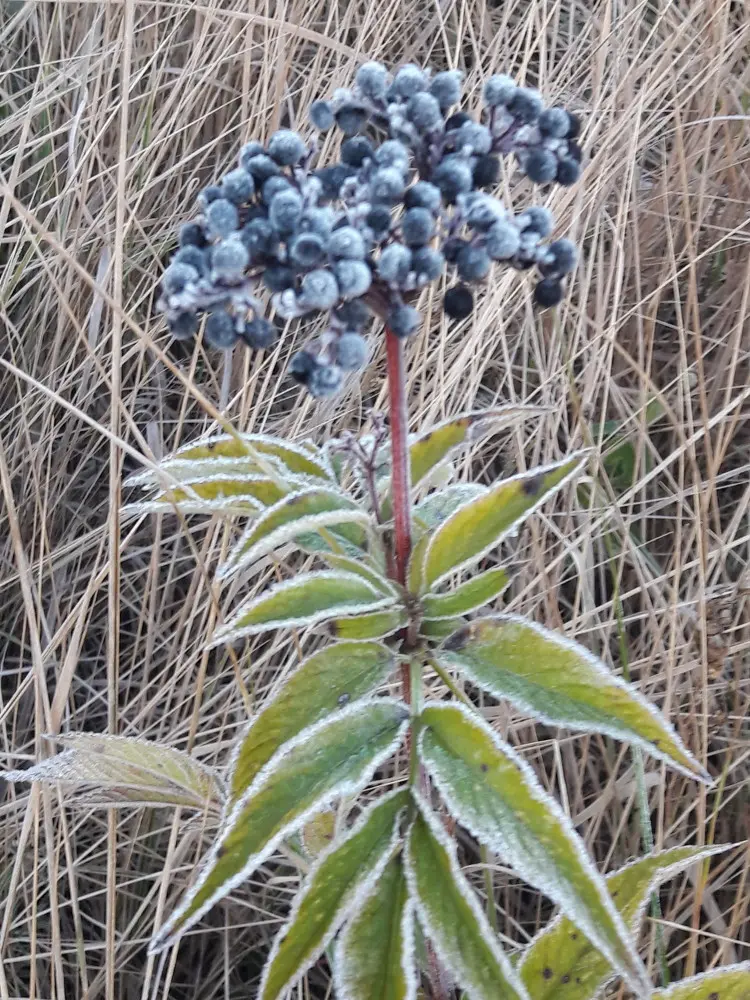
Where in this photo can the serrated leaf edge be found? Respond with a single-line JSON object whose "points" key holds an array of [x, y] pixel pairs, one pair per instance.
{"points": [[598, 666], [164, 937], [579, 457], [351, 901], [464, 888], [535, 789]]}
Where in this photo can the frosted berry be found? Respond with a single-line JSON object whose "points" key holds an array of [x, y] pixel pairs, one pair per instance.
{"points": [[220, 330], [445, 87], [278, 278], [458, 302], [351, 351], [319, 290], [286, 147], [184, 326], [537, 218], [356, 150], [502, 241], [526, 105], [403, 321], [387, 185], [285, 210], [259, 333], [427, 263], [177, 277], [453, 177], [273, 186], [393, 153], [249, 150], [554, 122], [353, 277], [473, 263], [346, 242], [372, 80], [260, 238], [423, 111], [541, 166], [499, 90], [222, 218], [261, 167], [352, 315], [332, 178], [238, 186], [192, 234], [193, 256], [394, 263], [324, 381], [568, 171], [423, 195], [351, 118], [417, 226], [560, 259], [321, 115], [229, 260], [306, 250], [474, 137], [409, 80], [486, 171], [456, 120], [209, 194], [379, 221], [302, 366], [548, 292]]}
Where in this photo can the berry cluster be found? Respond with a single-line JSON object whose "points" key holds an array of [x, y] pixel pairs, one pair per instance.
{"points": [[404, 204]]}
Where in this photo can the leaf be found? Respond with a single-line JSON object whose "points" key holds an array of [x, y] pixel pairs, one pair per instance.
{"points": [[323, 683], [496, 796], [375, 955], [294, 514], [481, 524], [451, 916], [562, 964], [335, 757], [468, 596], [117, 770], [561, 683], [415, 566], [213, 453], [376, 625], [434, 509], [730, 983], [319, 832], [436, 629], [369, 573], [246, 493], [336, 885], [304, 600]]}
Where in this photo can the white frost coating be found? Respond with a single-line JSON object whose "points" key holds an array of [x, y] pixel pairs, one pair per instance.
{"points": [[343, 974], [541, 470], [166, 936], [433, 604], [246, 506], [493, 837], [351, 900], [453, 959], [247, 551], [704, 977], [610, 680], [368, 573], [658, 876], [230, 632]]}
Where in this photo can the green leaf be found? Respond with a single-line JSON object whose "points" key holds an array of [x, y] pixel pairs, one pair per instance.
{"points": [[375, 956], [435, 508], [468, 596], [415, 566], [304, 600], [561, 683], [376, 625], [561, 963], [118, 770], [335, 757], [319, 832], [730, 983], [477, 527], [437, 629], [335, 886], [294, 514], [243, 493], [491, 791], [368, 573], [450, 914], [327, 680], [234, 454]]}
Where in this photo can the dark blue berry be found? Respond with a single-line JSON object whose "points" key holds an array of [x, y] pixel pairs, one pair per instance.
{"points": [[302, 366], [379, 220], [457, 120], [568, 171], [352, 315], [260, 239], [575, 152], [220, 330], [417, 226], [259, 333], [458, 302], [453, 247], [184, 326], [403, 321], [548, 292], [486, 170], [192, 234], [423, 195], [278, 278], [356, 150], [331, 179], [350, 118], [541, 166], [574, 125]]}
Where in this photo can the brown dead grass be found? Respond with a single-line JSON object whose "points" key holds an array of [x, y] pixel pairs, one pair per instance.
{"points": [[112, 115]]}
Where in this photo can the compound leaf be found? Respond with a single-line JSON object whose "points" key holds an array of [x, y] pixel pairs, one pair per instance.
{"points": [[730, 983], [466, 597], [561, 963], [304, 600], [450, 914], [561, 683], [336, 885], [375, 956], [118, 770], [322, 684], [496, 796], [297, 513], [480, 525], [335, 757]]}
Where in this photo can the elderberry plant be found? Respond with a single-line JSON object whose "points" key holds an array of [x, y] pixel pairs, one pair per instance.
{"points": [[397, 589]]}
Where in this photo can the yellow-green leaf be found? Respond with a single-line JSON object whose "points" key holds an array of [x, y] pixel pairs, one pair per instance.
{"points": [[437, 507], [319, 833], [451, 916], [375, 956], [466, 597], [415, 567], [335, 757], [118, 770], [437, 629], [561, 963], [325, 682], [297, 513], [493, 793], [376, 625], [730, 983], [477, 527], [243, 493], [561, 683], [304, 600], [369, 573], [335, 886]]}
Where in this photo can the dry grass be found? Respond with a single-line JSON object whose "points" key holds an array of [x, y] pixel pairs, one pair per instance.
{"points": [[111, 116]]}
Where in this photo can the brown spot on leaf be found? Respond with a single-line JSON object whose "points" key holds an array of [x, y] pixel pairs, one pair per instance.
{"points": [[615, 894], [578, 980], [565, 978], [220, 851], [456, 642], [547, 973], [484, 767], [533, 485], [713, 996], [574, 935]]}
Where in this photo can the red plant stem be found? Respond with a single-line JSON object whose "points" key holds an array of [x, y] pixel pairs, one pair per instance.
{"points": [[400, 475]]}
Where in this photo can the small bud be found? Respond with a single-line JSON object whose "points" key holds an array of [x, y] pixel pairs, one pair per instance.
{"points": [[574, 125], [403, 321], [351, 351], [321, 115], [286, 147], [238, 186], [220, 330], [222, 219]]}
